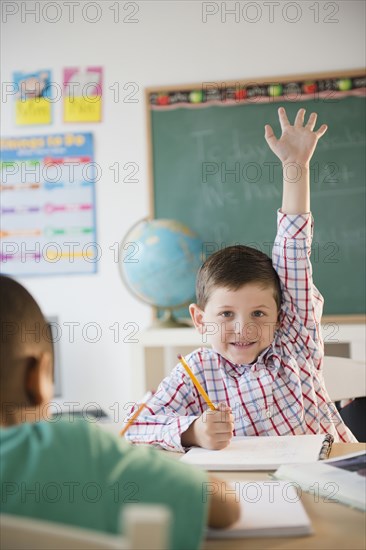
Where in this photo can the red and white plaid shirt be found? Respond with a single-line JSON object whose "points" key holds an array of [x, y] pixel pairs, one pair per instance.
{"points": [[283, 392]]}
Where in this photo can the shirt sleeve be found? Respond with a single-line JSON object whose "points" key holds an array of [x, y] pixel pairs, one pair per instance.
{"points": [[302, 303], [169, 413], [144, 475]]}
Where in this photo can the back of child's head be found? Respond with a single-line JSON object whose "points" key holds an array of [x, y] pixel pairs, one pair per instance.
{"points": [[233, 267], [23, 332]]}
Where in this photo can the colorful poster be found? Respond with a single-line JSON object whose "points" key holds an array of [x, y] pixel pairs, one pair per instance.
{"points": [[48, 205], [83, 94], [32, 98]]}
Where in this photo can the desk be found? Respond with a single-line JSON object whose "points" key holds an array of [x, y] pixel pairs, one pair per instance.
{"points": [[336, 526]]}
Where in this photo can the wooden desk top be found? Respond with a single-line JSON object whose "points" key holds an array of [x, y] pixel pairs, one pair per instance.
{"points": [[336, 526]]}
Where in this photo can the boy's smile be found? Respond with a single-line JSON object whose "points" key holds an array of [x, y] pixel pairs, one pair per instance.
{"points": [[239, 324]]}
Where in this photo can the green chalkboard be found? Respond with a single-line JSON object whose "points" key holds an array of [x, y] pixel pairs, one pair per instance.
{"points": [[213, 171]]}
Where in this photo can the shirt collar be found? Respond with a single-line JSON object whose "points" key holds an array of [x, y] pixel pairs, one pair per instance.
{"points": [[268, 359]]}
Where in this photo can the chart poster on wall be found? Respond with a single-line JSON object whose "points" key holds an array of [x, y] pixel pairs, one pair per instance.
{"points": [[83, 94], [48, 205], [33, 104]]}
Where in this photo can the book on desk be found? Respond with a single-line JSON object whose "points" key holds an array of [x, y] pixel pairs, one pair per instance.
{"points": [[268, 509], [261, 453]]}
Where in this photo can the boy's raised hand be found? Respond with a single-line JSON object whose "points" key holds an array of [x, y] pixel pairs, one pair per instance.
{"points": [[297, 143], [212, 430]]}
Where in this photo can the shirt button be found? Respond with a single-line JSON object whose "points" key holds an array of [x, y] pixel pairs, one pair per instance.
{"points": [[268, 413]]}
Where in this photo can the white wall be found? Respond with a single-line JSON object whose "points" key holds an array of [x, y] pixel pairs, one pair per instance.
{"points": [[170, 44]]}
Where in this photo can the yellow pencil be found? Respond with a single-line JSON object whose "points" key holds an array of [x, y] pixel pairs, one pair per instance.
{"points": [[196, 383], [143, 404]]}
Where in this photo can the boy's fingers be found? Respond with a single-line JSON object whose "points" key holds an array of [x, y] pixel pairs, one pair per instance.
{"points": [[224, 429], [284, 121], [223, 418], [269, 135], [227, 434], [222, 440], [218, 445], [311, 122], [226, 417], [223, 407], [268, 132], [299, 120], [225, 413], [217, 415], [321, 130], [209, 415]]}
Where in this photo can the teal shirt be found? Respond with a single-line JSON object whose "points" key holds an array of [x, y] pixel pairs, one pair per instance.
{"points": [[73, 472]]}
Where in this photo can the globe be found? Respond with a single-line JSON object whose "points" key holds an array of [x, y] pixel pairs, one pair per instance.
{"points": [[159, 261]]}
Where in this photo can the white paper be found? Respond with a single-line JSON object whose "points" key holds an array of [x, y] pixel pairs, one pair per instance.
{"points": [[268, 509], [258, 453]]}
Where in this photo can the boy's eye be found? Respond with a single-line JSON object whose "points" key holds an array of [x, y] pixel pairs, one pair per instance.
{"points": [[257, 313], [226, 314]]}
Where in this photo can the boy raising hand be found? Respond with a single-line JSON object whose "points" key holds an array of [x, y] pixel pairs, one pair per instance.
{"points": [[262, 319]]}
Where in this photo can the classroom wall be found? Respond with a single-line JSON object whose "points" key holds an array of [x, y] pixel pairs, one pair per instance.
{"points": [[168, 44]]}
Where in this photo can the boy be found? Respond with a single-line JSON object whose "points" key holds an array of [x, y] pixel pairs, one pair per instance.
{"points": [[263, 322], [71, 471]]}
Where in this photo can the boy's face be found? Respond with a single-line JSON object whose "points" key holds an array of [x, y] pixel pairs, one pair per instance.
{"points": [[239, 324]]}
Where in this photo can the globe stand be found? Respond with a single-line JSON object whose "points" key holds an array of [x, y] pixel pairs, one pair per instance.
{"points": [[169, 321]]}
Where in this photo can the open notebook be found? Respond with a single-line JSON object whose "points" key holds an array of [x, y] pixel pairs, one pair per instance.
{"points": [[261, 453], [267, 510]]}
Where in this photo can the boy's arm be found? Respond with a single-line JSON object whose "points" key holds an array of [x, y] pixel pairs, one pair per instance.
{"points": [[169, 413], [223, 509], [302, 302]]}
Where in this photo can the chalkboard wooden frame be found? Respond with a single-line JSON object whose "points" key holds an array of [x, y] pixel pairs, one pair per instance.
{"points": [[179, 95]]}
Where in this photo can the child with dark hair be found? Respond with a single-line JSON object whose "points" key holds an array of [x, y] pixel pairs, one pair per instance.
{"points": [[70, 471], [262, 320]]}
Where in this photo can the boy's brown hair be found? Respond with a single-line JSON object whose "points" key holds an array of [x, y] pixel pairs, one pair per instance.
{"points": [[233, 267]]}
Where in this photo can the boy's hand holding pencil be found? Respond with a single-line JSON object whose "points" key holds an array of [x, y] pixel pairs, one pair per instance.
{"points": [[214, 428]]}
